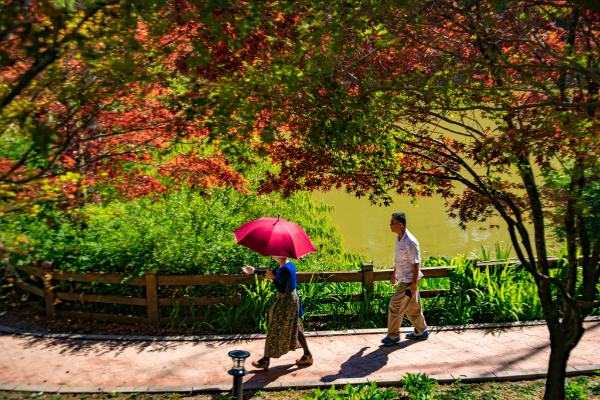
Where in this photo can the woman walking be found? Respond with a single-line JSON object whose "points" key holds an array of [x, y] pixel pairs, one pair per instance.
{"points": [[285, 324]]}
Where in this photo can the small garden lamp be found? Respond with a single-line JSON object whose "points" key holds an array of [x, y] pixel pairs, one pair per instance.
{"points": [[238, 372]]}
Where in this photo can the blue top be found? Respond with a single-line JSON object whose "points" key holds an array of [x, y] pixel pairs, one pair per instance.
{"points": [[288, 270]]}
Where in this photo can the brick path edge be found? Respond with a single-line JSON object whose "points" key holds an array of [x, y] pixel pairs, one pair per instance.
{"points": [[54, 335], [515, 375]]}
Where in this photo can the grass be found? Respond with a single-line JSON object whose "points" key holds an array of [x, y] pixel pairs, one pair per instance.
{"points": [[587, 387]]}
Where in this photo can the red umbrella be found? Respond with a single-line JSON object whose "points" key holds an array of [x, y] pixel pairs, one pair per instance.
{"points": [[274, 237]]}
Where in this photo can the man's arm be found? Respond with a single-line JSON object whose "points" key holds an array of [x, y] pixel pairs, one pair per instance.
{"points": [[414, 286], [394, 281]]}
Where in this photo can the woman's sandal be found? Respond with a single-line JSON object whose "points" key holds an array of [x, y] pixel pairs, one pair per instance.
{"points": [[305, 360], [261, 364]]}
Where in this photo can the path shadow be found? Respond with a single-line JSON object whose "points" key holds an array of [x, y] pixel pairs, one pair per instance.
{"points": [[591, 326], [97, 347], [260, 378], [498, 330], [102, 347], [360, 364]]}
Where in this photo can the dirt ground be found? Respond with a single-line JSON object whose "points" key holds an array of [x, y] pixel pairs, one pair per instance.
{"points": [[25, 312]]}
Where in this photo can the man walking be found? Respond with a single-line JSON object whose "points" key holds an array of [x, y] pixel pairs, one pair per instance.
{"points": [[407, 275]]}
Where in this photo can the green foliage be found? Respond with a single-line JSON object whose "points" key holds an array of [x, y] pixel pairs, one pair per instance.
{"points": [[259, 298], [361, 392], [495, 294], [559, 180], [500, 294], [419, 386], [183, 233], [338, 312], [575, 390], [500, 253], [596, 386], [180, 233]]}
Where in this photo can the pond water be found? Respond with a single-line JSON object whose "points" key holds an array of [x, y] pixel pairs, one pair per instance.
{"points": [[366, 227]]}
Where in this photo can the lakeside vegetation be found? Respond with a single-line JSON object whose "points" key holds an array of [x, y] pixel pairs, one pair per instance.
{"points": [[184, 233], [181, 233]]}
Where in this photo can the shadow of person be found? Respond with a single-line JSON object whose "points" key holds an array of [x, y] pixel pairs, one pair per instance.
{"points": [[360, 364], [260, 377]]}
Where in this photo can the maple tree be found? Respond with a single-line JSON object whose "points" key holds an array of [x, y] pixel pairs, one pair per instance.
{"points": [[477, 102], [96, 90]]}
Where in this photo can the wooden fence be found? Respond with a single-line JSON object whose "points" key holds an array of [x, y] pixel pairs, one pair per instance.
{"points": [[367, 276]]}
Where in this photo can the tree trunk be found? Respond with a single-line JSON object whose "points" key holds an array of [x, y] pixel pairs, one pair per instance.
{"points": [[561, 344], [555, 382]]}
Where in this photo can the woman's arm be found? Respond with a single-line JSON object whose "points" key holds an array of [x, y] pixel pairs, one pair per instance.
{"points": [[282, 284], [251, 270]]}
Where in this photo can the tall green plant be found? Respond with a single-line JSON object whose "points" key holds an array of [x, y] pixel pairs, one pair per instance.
{"points": [[494, 294], [361, 392], [258, 299], [419, 386]]}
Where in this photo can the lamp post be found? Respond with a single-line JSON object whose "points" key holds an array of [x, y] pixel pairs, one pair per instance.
{"points": [[238, 372]]}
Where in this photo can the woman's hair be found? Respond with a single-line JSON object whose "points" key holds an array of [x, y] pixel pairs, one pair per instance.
{"points": [[400, 217]]}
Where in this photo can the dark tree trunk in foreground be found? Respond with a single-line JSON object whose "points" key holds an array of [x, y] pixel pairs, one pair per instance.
{"points": [[563, 339]]}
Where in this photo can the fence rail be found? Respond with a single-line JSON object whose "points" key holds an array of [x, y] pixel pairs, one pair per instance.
{"points": [[367, 275]]}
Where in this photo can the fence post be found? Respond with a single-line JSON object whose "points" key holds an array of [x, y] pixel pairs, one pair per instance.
{"points": [[367, 269], [152, 297], [473, 261], [49, 289]]}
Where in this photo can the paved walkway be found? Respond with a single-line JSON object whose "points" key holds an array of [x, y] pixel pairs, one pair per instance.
{"points": [[84, 363]]}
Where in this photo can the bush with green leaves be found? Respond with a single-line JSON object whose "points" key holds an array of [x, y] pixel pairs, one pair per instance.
{"points": [[179, 234], [496, 294], [419, 386], [576, 389], [361, 392], [596, 384]]}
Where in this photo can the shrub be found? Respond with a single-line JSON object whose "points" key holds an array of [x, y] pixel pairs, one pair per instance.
{"points": [[575, 390], [180, 233], [496, 294], [419, 386], [361, 392]]}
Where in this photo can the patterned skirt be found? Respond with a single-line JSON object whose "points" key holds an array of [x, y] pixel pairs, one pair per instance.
{"points": [[282, 333]]}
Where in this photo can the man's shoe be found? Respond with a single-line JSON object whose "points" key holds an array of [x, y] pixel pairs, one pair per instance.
{"points": [[423, 336], [387, 341]]}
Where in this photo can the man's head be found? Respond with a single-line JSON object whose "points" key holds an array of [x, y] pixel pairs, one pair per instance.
{"points": [[398, 222]]}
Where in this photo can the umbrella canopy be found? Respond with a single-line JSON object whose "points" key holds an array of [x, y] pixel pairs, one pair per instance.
{"points": [[274, 237]]}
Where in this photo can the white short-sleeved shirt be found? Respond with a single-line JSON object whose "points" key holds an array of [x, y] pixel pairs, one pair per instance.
{"points": [[407, 254]]}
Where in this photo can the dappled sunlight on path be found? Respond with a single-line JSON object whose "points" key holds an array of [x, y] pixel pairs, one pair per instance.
{"points": [[73, 362]]}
